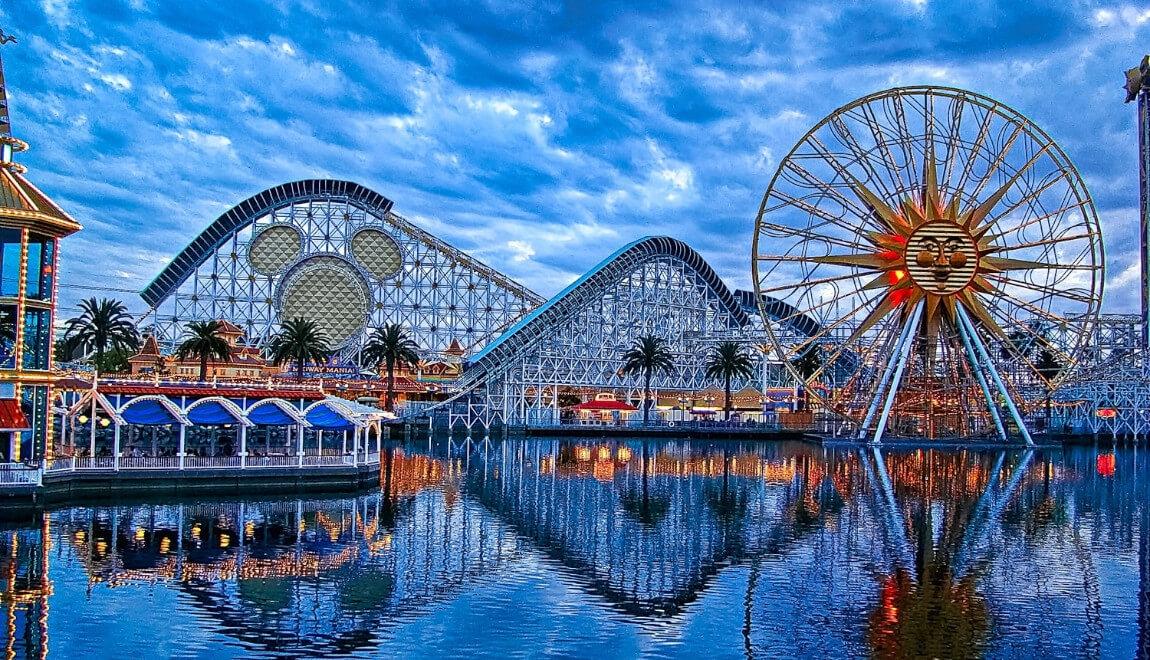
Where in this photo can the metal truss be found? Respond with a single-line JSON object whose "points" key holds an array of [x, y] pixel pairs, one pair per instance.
{"points": [[576, 340], [335, 252]]}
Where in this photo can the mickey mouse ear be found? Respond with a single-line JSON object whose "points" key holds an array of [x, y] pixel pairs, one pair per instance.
{"points": [[274, 248], [376, 252]]}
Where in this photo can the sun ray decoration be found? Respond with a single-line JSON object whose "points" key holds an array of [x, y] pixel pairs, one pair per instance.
{"points": [[946, 211]]}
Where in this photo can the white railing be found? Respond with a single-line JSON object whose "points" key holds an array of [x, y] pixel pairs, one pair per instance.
{"points": [[107, 463], [60, 464], [273, 461], [149, 463], [12, 474], [193, 462]]}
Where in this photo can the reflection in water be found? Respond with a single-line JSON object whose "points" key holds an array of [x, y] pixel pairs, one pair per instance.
{"points": [[656, 548]]}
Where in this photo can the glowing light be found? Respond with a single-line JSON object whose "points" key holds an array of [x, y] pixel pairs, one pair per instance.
{"points": [[1107, 465]]}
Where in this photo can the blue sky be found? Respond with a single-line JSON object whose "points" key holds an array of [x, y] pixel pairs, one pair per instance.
{"points": [[537, 136]]}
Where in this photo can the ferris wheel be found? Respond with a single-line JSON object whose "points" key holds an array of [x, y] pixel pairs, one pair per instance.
{"points": [[921, 256]]}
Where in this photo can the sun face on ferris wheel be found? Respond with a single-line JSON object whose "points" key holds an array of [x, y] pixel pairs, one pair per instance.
{"points": [[932, 252], [931, 231]]}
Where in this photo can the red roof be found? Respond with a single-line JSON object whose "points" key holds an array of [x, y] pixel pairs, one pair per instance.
{"points": [[205, 390], [12, 417], [604, 405]]}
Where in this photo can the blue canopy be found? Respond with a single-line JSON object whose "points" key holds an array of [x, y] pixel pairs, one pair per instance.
{"points": [[326, 417], [148, 412], [211, 412], [270, 414]]}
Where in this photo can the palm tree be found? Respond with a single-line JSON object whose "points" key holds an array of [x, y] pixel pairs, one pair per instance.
{"points": [[728, 360], [1049, 368], [807, 363], [390, 346], [102, 325], [204, 342], [647, 355], [300, 340]]}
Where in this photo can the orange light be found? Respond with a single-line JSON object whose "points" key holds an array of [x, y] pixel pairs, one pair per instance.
{"points": [[1107, 413]]}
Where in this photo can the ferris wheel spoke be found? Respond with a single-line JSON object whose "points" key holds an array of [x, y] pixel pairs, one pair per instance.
{"points": [[1046, 217], [1030, 197], [975, 148], [809, 233], [810, 282], [1050, 293], [999, 159], [912, 168], [1039, 338], [827, 330], [834, 162], [831, 191], [953, 138], [879, 136]]}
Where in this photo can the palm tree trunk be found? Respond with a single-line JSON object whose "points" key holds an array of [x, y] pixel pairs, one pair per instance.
{"points": [[646, 396], [99, 358], [390, 385], [299, 369], [203, 367], [727, 394]]}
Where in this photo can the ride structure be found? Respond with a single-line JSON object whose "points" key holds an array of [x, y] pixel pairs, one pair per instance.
{"points": [[948, 244], [654, 286], [333, 252]]}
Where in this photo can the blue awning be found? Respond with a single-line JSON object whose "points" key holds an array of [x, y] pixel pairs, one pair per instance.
{"points": [[270, 414], [325, 416], [148, 412], [211, 412]]}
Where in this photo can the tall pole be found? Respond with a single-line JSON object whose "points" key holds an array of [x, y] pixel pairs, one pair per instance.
{"points": [[1138, 88]]}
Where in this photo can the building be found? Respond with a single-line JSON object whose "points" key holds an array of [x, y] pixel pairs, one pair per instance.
{"points": [[244, 362], [31, 225]]}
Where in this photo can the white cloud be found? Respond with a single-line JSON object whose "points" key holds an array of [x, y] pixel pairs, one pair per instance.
{"points": [[116, 81], [521, 250]]}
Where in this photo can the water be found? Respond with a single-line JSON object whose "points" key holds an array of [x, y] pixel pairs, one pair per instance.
{"points": [[568, 549]]}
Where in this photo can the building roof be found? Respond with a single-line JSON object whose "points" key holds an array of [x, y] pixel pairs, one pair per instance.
{"points": [[181, 389], [604, 405], [12, 417], [226, 327], [21, 202], [149, 350]]}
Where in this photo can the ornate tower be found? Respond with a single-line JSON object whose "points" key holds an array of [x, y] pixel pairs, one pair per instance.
{"points": [[1138, 88], [30, 227]]}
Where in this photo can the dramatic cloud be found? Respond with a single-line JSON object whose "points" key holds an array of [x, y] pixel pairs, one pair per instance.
{"points": [[540, 138]]}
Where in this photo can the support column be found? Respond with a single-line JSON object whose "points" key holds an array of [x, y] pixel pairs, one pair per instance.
{"points": [[243, 446], [355, 446], [887, 372], [903, 357], [319, 443], [299, 445], [972, 357], [116, 445], [981, 349], [92, 436], [344, 452], [181, 453]]}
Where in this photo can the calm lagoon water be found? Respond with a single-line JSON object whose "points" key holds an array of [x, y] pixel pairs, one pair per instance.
{"points": [[614, 549]]}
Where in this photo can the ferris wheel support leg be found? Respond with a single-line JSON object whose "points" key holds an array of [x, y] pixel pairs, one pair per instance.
{"points": [[903, 339], [982, 352], [974, 366], [903, 358]]}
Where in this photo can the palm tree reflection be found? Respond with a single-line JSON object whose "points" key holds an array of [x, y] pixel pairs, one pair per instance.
{"points": [[639, 504]]}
